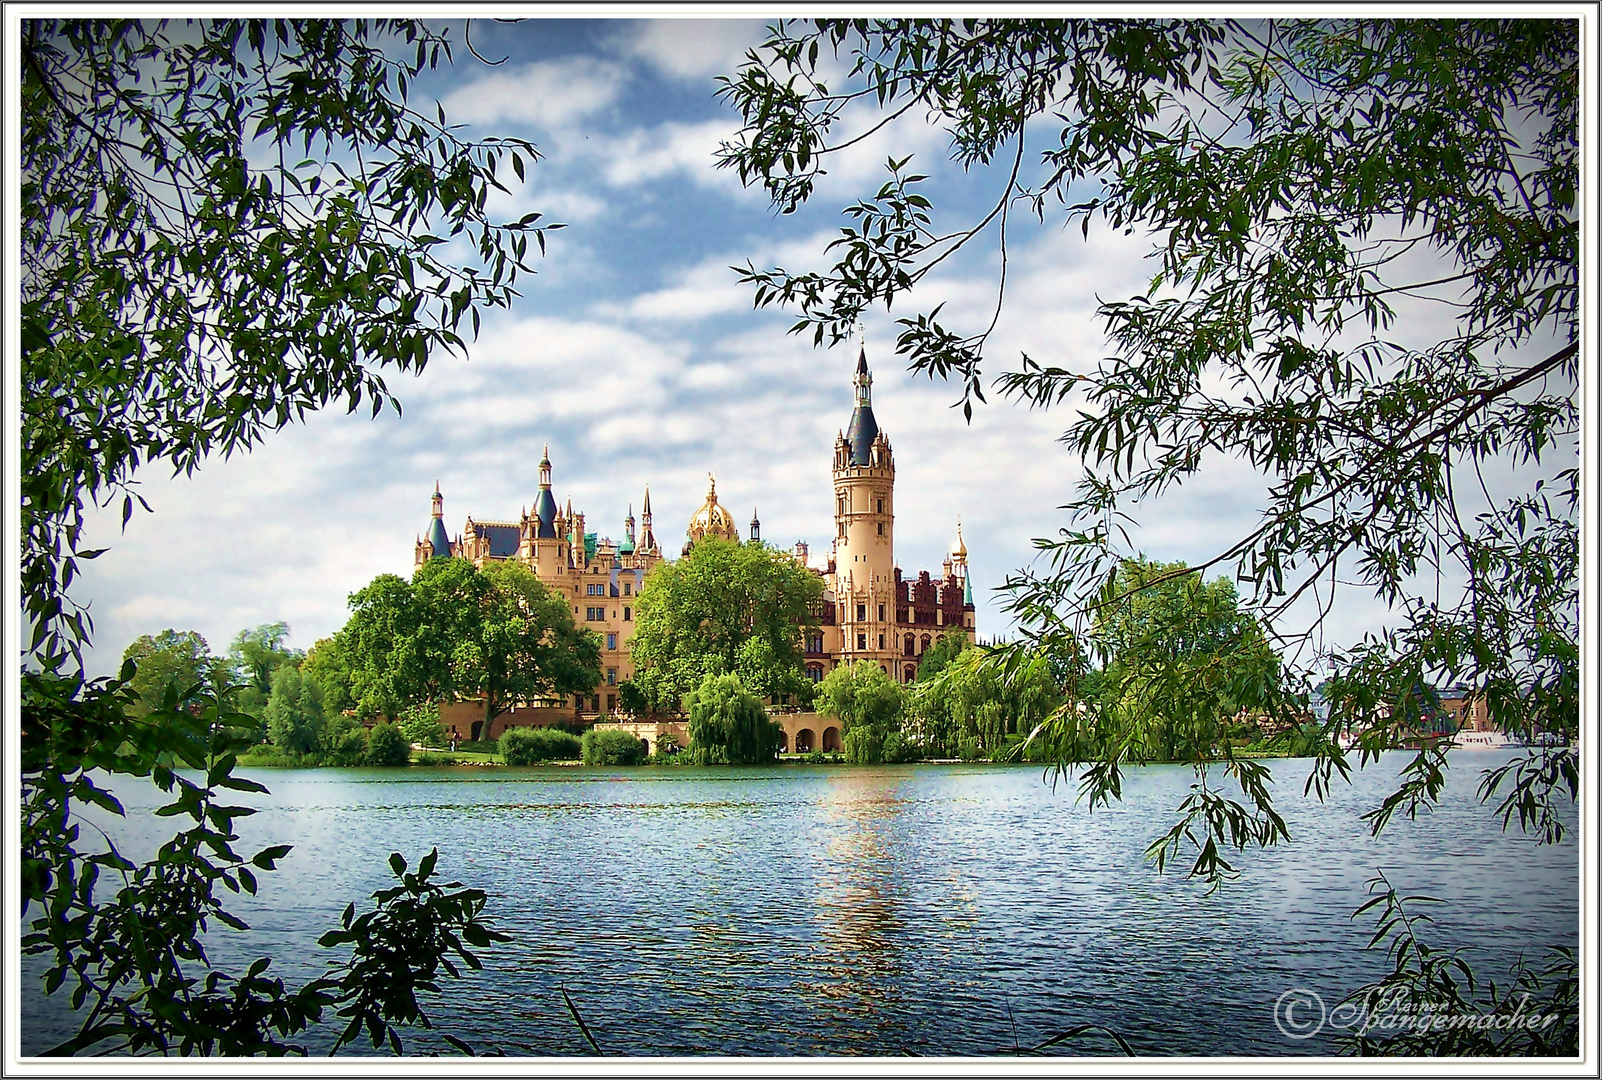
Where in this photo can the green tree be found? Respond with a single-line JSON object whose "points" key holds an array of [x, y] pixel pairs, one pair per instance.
{"points": [[946, 648], [726, 608], [224, 225], [728, 725], [294, 712], [976, 704], [327, 662], [175, 660], [342, 741], [377, 647], [527, 647], [420, 723], [387, 745], [632, 699], [253, 657], [867, 703], [455, 632], [1282, 169], [1183, 665]]}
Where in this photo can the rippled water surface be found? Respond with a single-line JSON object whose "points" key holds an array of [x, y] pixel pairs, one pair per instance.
{"points": [[817, 910]]}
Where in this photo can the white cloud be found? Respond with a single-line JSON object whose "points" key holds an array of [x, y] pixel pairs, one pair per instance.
{"points": [[645, 154], [692, 49], [544, 95]]}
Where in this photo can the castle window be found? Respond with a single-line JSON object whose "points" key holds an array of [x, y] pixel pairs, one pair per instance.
{"points": [[611, 676], [627, 585], [881, 528], [611, 643], [862, 641], [925, 644], [881, 613], [595, 703], [594, 614], [906, 646], [611, 702], [862, 612], [881, 641], [628, 616], [880, 510], [578, 702]]}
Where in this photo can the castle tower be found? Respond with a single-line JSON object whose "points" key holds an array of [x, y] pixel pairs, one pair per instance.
{"points": [[756, 528], [436, 544], [548, 548], [864, 527]]}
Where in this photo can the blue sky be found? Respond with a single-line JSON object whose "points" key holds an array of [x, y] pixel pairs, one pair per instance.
{"points": [[636, 355]]}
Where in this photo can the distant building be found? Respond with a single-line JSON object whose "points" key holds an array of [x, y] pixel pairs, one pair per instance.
{"points": [[870, 611]]}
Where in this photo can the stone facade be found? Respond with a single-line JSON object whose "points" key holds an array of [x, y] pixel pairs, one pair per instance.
{"points": [[870, 610]]}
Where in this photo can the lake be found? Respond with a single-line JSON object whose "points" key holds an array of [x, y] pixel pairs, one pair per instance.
{"points": [[807, 910]]}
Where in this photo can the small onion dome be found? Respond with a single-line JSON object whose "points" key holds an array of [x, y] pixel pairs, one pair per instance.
{"points": [[711, 519], [959, 550]]}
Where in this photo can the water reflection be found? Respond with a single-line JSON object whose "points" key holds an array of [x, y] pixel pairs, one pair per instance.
{"points": [[861, 899]]}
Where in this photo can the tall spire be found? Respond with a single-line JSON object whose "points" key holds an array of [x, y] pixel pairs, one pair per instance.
{"points": [[545, 503], [647, 538], [756, 527], [439, 543], [864, 428]]}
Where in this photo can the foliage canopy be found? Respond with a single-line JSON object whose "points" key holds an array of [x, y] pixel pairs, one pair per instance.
{"points": [[455, 631], [725, 608]]}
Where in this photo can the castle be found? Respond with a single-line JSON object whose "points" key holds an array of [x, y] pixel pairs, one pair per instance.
{"points": [[870, 611]]}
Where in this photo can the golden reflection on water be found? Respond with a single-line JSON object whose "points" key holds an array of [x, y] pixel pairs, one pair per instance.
{"points": [[862, 899]]}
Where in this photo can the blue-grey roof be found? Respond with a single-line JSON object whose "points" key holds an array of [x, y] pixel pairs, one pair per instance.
{"points": [[503, 540], [545, 510], [437, 539], [860, 435]]}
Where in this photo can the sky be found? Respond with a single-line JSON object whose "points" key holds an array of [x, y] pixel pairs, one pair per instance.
{"points": [[637, 357]]}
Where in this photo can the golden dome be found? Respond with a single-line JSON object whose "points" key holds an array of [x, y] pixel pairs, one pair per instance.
{"points": [[959, 550], [712, 519]]}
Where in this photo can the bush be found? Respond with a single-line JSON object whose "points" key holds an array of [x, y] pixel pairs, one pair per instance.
{"points": [[387, 746], [528, 745], [429, 758], [900, 750], [667, 751], [420, 724], [343, 741], [611, 747]]}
